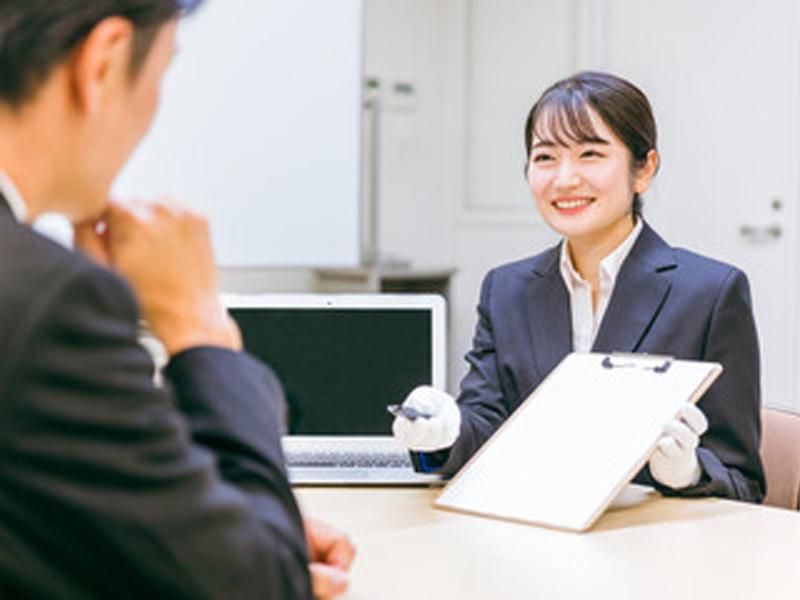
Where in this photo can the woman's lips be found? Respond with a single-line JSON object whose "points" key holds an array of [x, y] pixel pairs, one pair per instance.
{"points": [[571, 205]]}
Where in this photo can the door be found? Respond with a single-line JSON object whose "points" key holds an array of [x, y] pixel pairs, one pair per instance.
{"points": [[723, 79]]}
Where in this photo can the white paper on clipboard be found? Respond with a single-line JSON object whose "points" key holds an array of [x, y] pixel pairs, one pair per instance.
{"points": [[580, 437]]}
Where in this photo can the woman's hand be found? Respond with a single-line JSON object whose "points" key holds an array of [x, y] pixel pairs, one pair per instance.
{"points": [[438, 425], [674, 462]]}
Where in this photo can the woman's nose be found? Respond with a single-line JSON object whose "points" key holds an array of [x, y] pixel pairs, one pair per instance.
{"points": [[567, 174]]}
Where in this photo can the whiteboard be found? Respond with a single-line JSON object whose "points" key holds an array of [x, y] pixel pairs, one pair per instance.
{"points": [[259, 129]]}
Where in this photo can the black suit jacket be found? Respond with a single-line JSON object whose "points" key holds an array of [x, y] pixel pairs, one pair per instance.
{"points": [[665, 301], [111, 487]]}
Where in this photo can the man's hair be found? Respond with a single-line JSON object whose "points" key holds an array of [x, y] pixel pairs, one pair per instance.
{"points": [[37, 35]]}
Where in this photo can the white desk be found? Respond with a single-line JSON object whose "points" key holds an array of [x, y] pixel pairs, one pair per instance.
{"points": [[661, 548]]}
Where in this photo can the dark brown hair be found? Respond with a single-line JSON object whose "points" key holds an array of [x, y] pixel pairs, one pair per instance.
{"points": [[563, 112], [37, 35]]}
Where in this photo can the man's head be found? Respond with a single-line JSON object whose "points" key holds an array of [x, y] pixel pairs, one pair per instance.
{"points": [[79, 83], [37, 35]]}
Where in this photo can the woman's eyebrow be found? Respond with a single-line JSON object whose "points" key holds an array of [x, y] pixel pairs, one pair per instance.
{"points": [[595, 140]]}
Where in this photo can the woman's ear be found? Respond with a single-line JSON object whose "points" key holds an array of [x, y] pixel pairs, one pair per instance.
{"points": [[101, 62], [645, 173]]}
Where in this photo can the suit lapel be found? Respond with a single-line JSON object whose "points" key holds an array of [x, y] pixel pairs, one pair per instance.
{"points": [[642, 286], [548, 313]]}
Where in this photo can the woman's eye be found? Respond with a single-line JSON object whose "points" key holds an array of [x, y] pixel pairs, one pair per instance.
{"points": [[542, 157], [591, 154]]}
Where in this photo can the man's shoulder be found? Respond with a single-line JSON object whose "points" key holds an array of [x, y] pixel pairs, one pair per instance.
{"points": [[34, 264], [22, 246], [37, 275]]}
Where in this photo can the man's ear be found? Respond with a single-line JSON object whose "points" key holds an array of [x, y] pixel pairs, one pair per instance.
{"points": [[101, 62]]}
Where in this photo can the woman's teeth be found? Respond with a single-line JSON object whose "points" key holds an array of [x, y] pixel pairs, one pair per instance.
{"points": [[567, 204]]}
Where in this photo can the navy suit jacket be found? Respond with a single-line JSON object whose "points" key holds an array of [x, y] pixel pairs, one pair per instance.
{"points": [[112, 487], [665, 301]]}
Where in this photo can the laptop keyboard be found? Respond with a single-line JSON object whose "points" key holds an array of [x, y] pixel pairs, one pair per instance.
{"points": [[349, 459]]}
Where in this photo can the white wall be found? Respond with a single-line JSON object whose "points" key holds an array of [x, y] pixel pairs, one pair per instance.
{"points": [[252, 146], [407, 42]]}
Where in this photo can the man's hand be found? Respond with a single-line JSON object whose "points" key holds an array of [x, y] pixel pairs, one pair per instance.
{"points": [[91, 238], [437, 431], [164, 251], [330, 554], [674, 462]]}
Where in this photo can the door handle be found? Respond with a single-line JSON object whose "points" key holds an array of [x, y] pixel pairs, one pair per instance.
{"points": [[761, 234]]}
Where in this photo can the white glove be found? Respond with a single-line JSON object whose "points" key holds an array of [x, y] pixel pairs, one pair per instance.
{"points": [[674, 462], [436, 432]]}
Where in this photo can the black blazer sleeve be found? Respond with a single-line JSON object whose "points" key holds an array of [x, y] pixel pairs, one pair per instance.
{"points": [[729, 450], [113, 487]]}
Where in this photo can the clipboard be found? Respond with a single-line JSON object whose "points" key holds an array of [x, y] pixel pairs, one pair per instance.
{"points": [[577, 440]]}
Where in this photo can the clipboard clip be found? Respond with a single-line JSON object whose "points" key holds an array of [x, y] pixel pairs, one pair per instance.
{"points": [[637, 361]]}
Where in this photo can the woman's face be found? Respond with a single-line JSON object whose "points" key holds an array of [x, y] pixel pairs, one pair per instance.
{"points": [[584, 190]]}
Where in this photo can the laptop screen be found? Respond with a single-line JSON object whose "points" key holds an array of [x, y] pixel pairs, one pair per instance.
{"points": [[341, 365]]}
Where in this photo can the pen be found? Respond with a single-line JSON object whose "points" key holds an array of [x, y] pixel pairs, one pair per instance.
{"points": [[412, 414]]}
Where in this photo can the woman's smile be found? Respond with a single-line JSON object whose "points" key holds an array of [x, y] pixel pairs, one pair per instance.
{"points": [[572, 205]]}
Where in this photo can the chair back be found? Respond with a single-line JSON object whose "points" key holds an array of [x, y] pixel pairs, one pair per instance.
{"points": [[780, 452]]}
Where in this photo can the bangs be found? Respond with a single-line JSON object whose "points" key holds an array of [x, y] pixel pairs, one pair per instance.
{"points": [[563, 118]]}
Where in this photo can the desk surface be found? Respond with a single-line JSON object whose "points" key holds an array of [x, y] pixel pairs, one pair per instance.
{"points": [[657, 548]]}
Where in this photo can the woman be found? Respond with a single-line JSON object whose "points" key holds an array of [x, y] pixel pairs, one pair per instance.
{"points": [[612, 284]]}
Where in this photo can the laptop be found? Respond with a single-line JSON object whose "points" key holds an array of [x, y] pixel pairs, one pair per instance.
{"points": [[342, 359]]}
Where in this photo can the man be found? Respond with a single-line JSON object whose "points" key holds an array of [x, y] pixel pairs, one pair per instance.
{"points": [[109, 485]]}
